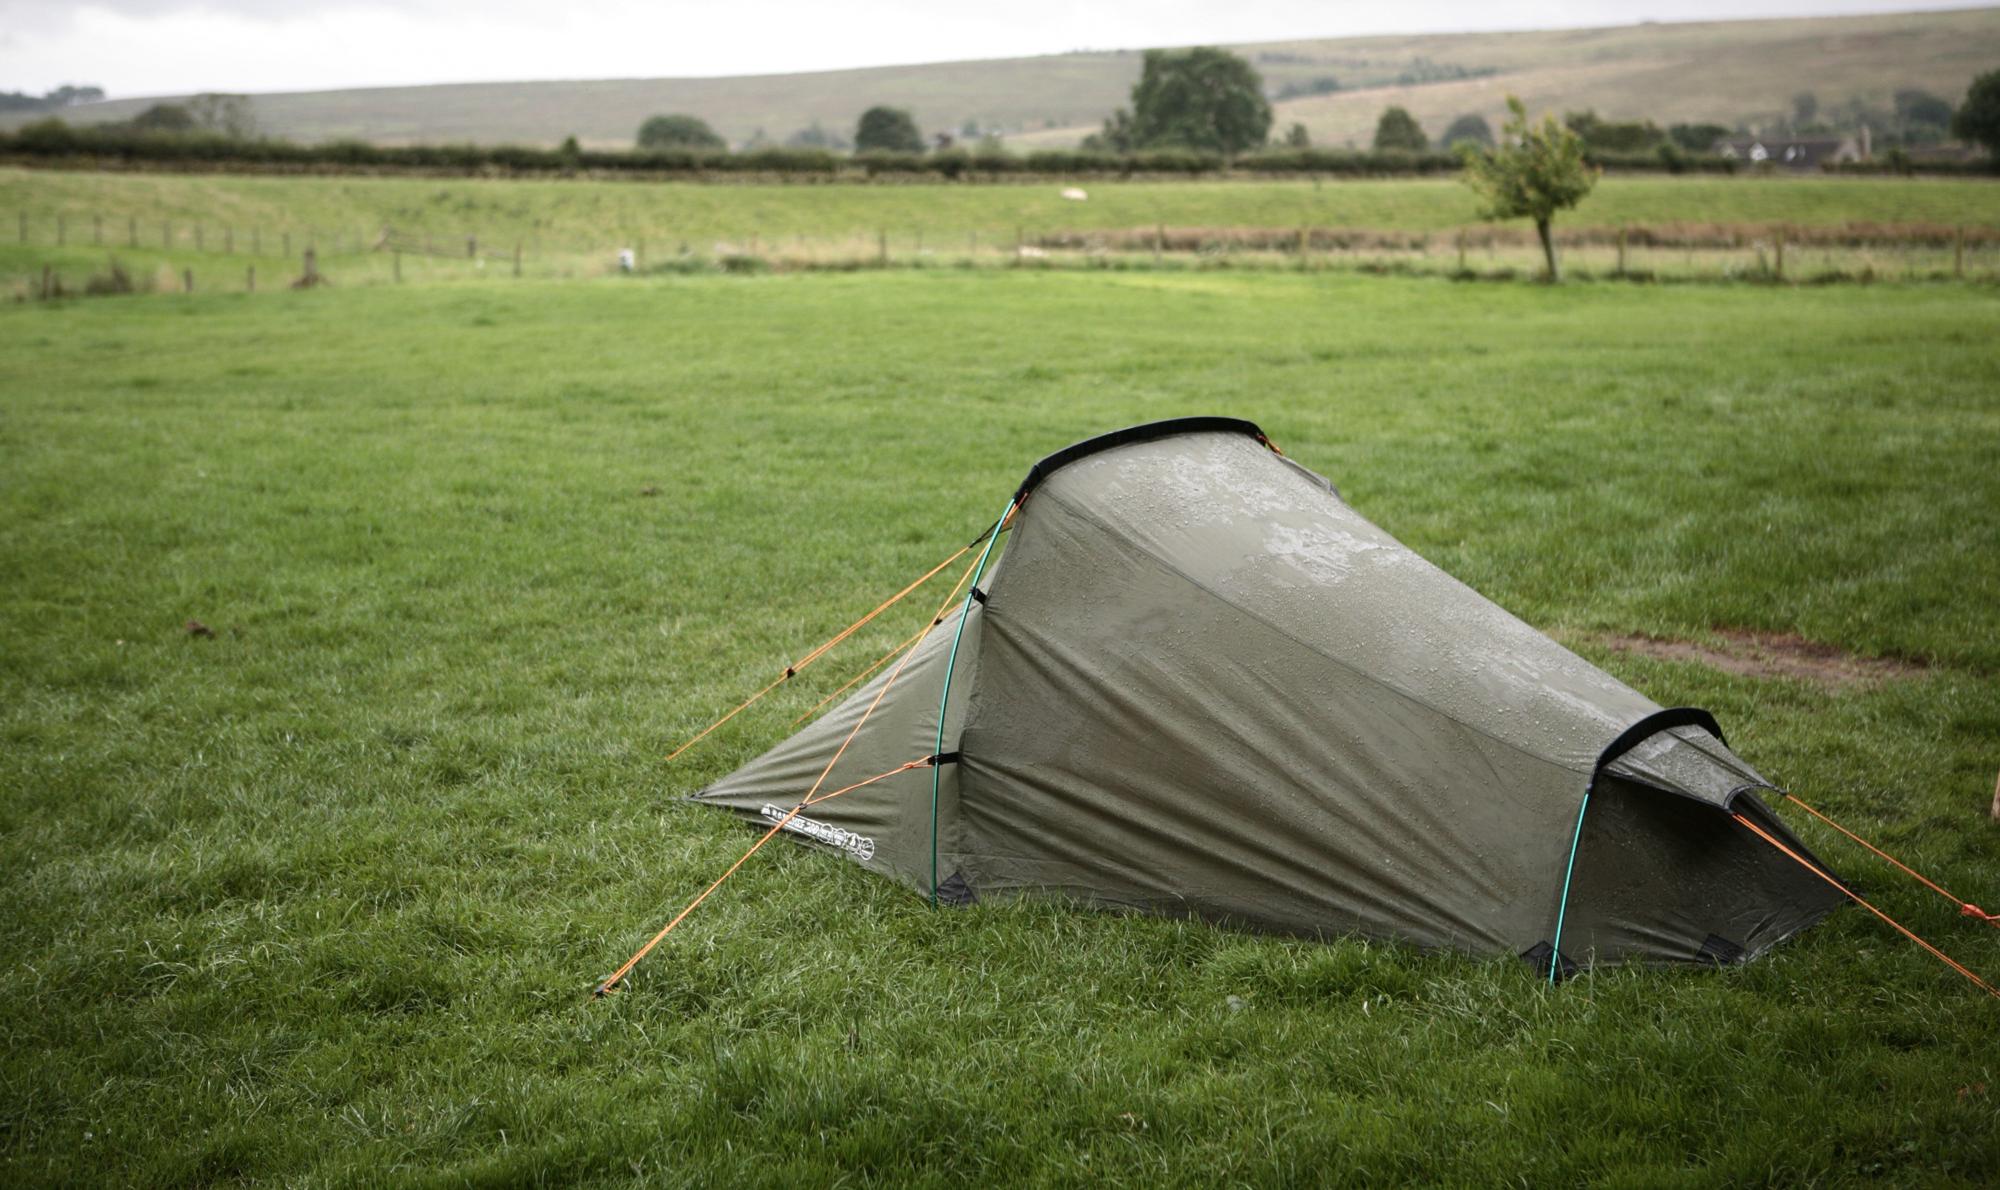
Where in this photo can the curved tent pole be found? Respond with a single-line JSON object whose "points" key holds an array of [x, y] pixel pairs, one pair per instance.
{"points": [[1638, 733], [950, 665]]}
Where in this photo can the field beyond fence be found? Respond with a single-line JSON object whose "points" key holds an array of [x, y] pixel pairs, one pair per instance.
{"points": [[57, 258]]}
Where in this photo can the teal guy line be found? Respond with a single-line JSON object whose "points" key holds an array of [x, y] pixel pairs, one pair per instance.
{"points": [[1562, 906], [951, 663]]}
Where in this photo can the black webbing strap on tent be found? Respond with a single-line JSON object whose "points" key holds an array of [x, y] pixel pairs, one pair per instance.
{"points": [[1130, 434]]}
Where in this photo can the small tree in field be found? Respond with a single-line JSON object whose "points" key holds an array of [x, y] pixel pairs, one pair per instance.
{"points": [[679, 132], [887, 129], [1532, 173], [1398, 132], [1978, 118]]}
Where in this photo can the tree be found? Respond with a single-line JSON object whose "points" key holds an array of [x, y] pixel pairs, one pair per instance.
{"points": [[1978, 118], [1296, 137], [680, 132], [1202, 98], [227, 115], [889, 130], [1398, 132], [1532, 173], [1916, 106], [1114, 137], [1805, 105], [815, 137], [164, 117], [1697, 138], [1472, 128], [70, 93]]}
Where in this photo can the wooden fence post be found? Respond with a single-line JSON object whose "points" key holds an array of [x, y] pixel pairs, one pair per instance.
{"points": [[187, 280], [471, 247], [517, 258], [250, 279], [311, 265]]}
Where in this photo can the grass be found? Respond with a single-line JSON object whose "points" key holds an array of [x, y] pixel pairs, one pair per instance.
{"points": [[1707, 71], [320, 900], [576, 227]]}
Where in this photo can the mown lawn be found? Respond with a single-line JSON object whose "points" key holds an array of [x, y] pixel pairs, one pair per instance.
{"points": [[320, 899]]}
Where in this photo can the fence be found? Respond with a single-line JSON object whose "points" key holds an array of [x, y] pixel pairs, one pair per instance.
{"points": [[166, 254]]}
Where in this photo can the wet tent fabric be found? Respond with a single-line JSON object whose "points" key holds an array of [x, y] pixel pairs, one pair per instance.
{"points": [[1197, 683]]}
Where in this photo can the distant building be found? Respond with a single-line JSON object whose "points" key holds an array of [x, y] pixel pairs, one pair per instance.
{"points": [[1796, 152]]}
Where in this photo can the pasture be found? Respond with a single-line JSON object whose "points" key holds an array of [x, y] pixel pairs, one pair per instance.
{"points": [[319, 898], [219, 226]]}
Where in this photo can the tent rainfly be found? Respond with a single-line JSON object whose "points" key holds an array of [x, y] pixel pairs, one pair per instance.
{"points": [[1198, 683]]}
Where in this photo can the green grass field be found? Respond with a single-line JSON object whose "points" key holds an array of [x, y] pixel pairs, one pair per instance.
{"points": [[320, 900], [572, 228]]}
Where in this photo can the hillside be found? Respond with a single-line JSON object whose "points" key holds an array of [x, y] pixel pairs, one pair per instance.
{"points": [[1722, 71]]}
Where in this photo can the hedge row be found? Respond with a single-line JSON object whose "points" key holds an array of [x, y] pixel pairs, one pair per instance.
{"points": [[52, 140]]}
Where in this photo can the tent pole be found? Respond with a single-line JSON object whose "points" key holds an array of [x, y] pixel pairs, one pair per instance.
{"points": [[1569, 869], [951, 664]]}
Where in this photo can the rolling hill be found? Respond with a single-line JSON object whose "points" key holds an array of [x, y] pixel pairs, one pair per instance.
{"points": [[1726, 72]]}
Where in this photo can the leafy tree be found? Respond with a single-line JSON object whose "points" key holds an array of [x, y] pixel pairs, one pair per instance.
{"points": [[1201, 98], [1805, 105], [1324, 84], [887, 129], [164, 117], [1613, 136], [1532, 173], [69, 93], [1296, 137], [1697, 138], [1472, 128], [228, 115], [1115, 137], [679, 132], [1915, 106], [815, 137], [1978, 118], [1398, 131]]}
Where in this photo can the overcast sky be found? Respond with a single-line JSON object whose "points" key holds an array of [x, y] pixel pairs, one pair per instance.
{"points": [[152, 47]]}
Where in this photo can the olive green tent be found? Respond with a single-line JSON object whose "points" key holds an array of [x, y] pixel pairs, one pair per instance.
{"points": [[1196, 682]]}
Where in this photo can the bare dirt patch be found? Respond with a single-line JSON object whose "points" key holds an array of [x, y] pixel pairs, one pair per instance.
{"points": [[1772, 655]]}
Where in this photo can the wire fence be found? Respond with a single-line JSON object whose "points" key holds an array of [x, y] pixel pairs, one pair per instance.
{"points": [[60, 255]]}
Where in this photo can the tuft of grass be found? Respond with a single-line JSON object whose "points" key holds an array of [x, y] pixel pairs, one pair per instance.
{"points": [[320, 899]]}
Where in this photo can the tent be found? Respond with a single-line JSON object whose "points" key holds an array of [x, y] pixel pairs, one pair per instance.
{"points": [[1197, 683]]}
